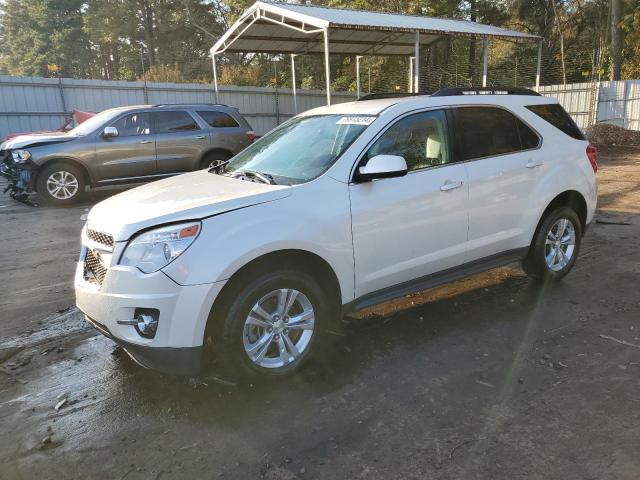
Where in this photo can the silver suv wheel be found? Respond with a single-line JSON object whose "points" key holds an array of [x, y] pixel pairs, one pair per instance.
{"points": [[279, 328], [62, 185]]}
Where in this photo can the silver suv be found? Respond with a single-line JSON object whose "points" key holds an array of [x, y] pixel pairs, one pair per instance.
{"points": [[121, 146]]}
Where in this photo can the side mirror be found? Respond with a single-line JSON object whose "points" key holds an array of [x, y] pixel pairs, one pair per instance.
{"points": [[382, 166], [110, 132]]}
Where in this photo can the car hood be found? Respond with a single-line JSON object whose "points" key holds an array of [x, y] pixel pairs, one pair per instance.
{"points": [[190, 196], [34, 140]]}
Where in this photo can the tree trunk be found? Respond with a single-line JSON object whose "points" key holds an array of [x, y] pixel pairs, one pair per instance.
{"points": [[616, 54]]}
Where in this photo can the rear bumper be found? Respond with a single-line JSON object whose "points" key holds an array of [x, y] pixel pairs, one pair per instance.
{"points": [[175, 361]]}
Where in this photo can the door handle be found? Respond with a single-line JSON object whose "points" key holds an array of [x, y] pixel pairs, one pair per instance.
{"points": [[449, 185], [145, 142], [200, 137], [533, 163]]}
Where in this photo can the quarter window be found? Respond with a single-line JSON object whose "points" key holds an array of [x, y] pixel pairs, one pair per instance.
{"points": [[420, 138], [133, 124], [218, 119], [489, 131], [559, 118], [171, 122]]}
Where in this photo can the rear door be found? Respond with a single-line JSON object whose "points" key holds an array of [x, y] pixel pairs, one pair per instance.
{"points": [[408, 227], [130, 155], [180, 141], [504, 163], [226, 133]]}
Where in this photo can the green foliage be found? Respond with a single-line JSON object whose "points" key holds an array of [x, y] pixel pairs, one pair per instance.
{"points": [[170, 40]]}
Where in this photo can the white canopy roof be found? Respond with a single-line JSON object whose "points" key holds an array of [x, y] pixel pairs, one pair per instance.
{"points": [[276, 27]]}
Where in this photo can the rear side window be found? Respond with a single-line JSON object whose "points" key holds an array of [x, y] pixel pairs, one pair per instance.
{"points": [[489, 131], [171, 122], [559, 118], [218, 119]]}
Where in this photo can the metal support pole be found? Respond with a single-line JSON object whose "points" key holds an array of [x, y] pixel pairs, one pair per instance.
{"points": [[327, 69], [539, 67], [293, 83], [411, 74], [416, 69], [485, 61], [215, 77], [358, 57]]}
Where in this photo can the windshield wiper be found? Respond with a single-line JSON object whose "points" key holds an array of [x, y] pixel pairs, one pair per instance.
{"points": [[261, 177], [216, 168]]}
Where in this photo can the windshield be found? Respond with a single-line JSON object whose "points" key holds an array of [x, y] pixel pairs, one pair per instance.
{"points": [[300, 149], [90, 125]]}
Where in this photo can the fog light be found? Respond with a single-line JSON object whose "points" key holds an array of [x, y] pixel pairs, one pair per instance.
{"points": [[147, 325], [145, 321]]}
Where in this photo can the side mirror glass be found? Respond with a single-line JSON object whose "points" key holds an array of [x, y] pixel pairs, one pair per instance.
{"points": [[110, 132], [382, 166]]}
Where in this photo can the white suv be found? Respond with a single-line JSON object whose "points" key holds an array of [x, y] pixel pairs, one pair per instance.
{"points": [[339, 208]]}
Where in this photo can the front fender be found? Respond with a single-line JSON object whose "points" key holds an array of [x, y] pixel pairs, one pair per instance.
{"points": [[231, 240]]}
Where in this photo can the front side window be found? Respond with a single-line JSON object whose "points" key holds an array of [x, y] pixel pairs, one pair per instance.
{"points": [[172, 122], [421, 139], [133, 125], [489, 131], [218, 119], [302, 148]]}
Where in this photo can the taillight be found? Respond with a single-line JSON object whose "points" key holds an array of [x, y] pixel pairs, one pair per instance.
{"points": [[592, 155], [251, 135]]}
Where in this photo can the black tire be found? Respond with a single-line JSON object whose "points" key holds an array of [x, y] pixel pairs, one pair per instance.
{"points": [[63, 169], [228, 335], [209, 158], [535, 264]]}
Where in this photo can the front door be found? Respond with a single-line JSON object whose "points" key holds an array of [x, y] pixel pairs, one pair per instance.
{"points": [[129, 156], [408, 227]]}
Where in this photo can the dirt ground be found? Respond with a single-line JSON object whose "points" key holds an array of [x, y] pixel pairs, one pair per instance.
{"points": [[493, 377]]}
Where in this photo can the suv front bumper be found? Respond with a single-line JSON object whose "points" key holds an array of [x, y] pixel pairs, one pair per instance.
{"points": [[183, 313]]}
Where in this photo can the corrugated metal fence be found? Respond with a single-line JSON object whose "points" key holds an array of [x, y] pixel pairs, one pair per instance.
{"points": [[616, 102], [31, 103]]}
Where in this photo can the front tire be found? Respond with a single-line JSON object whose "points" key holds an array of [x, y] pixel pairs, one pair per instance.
{"points": [[555, 246], [271, 325], [60, 184]]}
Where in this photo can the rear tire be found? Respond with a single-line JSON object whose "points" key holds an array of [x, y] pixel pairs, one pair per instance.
{"points": [[60, 184], [273, 310], [214, 158], [555, 246]]}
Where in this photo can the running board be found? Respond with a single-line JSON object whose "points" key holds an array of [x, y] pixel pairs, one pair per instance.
{"points": [[435, 279]]}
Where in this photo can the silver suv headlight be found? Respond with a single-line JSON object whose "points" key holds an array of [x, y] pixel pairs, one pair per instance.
{"points": [[155, 249], [20, 156]]}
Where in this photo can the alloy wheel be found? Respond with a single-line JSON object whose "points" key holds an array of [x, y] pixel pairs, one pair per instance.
{"points": [[62, 185], [279, 328], [560, 244]]}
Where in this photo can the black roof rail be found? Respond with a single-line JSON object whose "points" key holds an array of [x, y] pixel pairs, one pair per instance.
{"points": [[375, 96], [449, 92]]}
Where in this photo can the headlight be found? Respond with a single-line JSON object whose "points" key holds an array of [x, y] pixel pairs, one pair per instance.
{"points": [[150, 251], [20, 156]]}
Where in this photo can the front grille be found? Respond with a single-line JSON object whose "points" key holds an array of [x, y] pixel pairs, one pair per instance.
{"points": [[93, 268], [101, 238]]}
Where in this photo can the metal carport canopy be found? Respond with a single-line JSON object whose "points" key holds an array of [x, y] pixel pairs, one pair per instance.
{"points": [[275, 27]]}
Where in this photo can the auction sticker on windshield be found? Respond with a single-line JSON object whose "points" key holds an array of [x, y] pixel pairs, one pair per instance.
{"points": [[355, 120]]}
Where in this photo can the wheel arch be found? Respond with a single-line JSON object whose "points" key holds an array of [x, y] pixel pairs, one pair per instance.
{"points": [[569, 198], [68, 161], [212, 151], [302, 260]]}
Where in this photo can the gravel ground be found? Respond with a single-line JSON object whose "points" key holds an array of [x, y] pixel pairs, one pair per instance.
{"points": [[492, 377]]}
